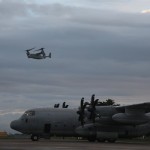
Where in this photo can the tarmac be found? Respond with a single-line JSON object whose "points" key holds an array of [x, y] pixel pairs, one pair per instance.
{"points": [[26, 144]]}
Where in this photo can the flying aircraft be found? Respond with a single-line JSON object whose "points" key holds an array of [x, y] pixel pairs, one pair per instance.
{"points": [[91, 121], [37, 55]]}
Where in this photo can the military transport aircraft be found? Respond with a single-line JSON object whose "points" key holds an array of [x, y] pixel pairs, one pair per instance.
{"points": [[38, 55], [91, 121]]}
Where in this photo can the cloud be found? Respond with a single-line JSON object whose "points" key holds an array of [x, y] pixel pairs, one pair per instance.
{"points": [[145, 11], [8, 112], [94, 50]]}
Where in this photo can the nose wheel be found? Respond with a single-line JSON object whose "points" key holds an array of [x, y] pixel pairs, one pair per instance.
{"points": [[34, 137]]}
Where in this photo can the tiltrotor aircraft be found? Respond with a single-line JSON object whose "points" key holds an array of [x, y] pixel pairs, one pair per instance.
{"points": [[38, 55], [91, 121]]}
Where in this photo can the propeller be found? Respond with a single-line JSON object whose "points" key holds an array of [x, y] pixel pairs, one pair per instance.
{"points": [[30, 49], [39, 49], [92, 108], [81, 111]]}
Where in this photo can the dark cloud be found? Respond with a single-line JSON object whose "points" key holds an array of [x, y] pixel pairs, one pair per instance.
{"points": [[94, 50]]}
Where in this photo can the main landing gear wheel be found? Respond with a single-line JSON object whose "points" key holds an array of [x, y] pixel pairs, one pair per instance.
{"points": [[34, 137], [101, 140], [91, 139], [111, 140]]}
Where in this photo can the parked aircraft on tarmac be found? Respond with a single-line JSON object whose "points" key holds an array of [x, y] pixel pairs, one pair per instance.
{"points": [[101, 123], [38, 55]]}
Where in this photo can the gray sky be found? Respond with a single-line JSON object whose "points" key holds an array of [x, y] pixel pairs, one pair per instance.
{"points": [[98, 46]]}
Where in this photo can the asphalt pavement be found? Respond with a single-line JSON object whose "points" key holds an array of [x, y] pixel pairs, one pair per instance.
{"points": [[26, 144]]}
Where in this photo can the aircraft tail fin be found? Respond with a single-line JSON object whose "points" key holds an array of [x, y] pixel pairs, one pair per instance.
{"points": [[49, 55]]}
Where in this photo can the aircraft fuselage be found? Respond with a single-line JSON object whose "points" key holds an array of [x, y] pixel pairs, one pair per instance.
{"points": [[46, 122]]}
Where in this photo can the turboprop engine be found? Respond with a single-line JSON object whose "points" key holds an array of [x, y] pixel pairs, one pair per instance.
{"points": [[92, 131], [131, 117], [88, 130]]}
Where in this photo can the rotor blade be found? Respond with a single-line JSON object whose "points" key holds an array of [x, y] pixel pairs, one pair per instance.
{"points": [[92, 99], [82, 102], [41, 48], [81, 106], [30, 49], [38, 50], [92, 108], [95, 102], [81, 111]]}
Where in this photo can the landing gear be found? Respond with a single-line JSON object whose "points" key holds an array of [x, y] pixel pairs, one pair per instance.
{"points": [[34, 137], [101, 140], [91, 139], [108, 140], [111, 140]]}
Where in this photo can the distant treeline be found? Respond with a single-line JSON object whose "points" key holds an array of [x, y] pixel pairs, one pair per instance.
{"points": [[108, 102]]}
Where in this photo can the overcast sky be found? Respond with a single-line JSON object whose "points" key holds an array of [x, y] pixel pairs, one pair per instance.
{"points": [[97, 46]]}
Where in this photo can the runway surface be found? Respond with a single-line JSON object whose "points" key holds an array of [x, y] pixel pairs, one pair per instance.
{"points": [[69, 145]]}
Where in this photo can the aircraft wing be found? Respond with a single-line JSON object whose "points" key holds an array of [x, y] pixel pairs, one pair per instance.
{"points": [[142, 106], [132, 114]]}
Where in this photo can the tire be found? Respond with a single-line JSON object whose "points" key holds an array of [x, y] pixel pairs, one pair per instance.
{"points": [[91, 139], [34, 137], [101, 140], [111, 140]]}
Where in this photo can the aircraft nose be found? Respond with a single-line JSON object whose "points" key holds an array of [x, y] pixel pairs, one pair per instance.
{"points": [[14, 125]]}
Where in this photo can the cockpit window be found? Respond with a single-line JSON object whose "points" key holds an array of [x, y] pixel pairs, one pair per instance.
{"points": [[29, 113]]}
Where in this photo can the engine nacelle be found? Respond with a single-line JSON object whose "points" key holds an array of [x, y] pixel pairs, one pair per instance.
{"points": [[88, 130], [130, 119]]}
